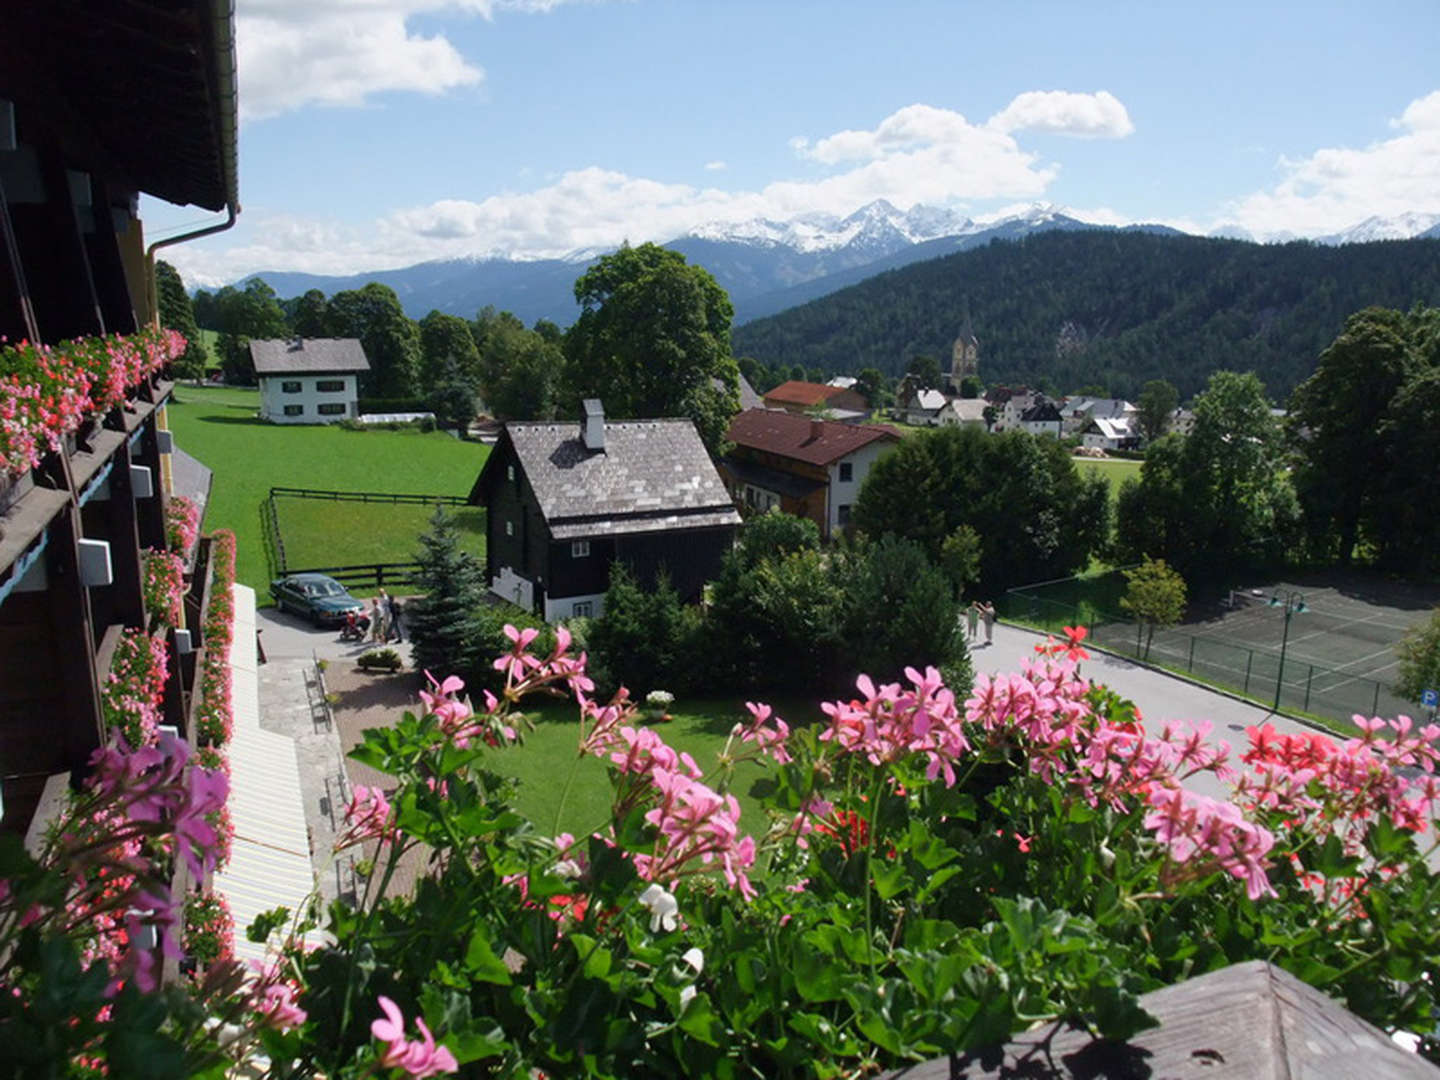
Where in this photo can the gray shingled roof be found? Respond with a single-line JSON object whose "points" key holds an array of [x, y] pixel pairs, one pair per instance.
{"points": [[312, 356], [653, 475]]}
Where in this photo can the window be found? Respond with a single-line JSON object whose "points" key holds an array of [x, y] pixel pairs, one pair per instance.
{"points": [[294, 410], [842, 513], [290, 386], [583, 609], [331, 408], [330, 386], [580, 549], [847, 472], [509, 528]]}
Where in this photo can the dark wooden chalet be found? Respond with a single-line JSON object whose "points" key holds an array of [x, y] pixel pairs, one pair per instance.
{"points": [[565, 501], [98, 102]]}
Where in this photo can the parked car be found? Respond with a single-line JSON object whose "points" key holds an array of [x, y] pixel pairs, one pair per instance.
{"points": [[322, 600]]}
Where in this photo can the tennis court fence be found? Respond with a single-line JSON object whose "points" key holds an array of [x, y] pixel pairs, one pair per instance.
{"points": [[1298, 686]]}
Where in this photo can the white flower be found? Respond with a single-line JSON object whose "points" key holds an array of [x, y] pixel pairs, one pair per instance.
{"points": [[664, 911], [687, 995], [695, 958]]}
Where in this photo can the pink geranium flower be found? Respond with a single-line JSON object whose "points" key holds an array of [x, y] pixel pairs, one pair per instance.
{"points": [[420, 1057]]}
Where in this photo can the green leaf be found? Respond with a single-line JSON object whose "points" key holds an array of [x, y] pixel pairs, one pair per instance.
{"points": [[699, 1020], [890, 879], [481, 961], [817, 977], [1331, 860]]}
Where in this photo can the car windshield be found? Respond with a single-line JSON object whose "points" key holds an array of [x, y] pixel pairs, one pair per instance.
{"points": [[330, 588]]}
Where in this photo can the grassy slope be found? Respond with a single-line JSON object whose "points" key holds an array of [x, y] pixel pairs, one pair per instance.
{"points": [[218, 426], [322, 533], [1115, 470]]}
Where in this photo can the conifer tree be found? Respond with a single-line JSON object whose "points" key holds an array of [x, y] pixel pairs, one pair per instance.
{"points": [[443, 622]]}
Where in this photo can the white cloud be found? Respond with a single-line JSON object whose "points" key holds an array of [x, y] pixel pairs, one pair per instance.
{"points": [[1336, 187], [919, 154], [715, 166], [294, 53], [1059, 112]]}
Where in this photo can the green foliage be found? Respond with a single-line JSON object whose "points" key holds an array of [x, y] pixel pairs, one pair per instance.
{"points": [[177, 313], [309, 314], [385, 659], [1112, 309], [1158, 400], [900, 610], [1036, 515], [653, 340], [447, 351], [645, 639], [1217, 496], [391, 340], [1155, 595], [971, 387], [442, 621], [1419, 656], [960, 558], [924, 372], [1361, 426], [776, 533], [874, 387], [240, 315]]}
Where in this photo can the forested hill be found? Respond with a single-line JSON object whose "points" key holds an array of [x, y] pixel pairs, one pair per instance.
{"points": [[1063, 310]]}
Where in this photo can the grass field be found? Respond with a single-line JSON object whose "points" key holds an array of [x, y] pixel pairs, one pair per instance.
{"points": [[318, 532], [700, 727], [218, 426], [1114, 470]]}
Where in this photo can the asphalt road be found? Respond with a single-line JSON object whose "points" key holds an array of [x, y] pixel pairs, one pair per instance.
{"points": [[287, 637]]}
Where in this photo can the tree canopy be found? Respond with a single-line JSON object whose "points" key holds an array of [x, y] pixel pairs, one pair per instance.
{"points": [[1363, 427], [653, 340], [177, 313], [390, 339], [1037, 516]]}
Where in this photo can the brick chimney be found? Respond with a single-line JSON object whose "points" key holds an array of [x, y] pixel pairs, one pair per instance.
{"points": [[592, 427], [817, 429]]}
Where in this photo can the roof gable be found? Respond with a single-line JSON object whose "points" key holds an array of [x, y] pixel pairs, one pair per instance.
{"points": [[308, 356], [795, 392], [815, 442], [652, 475]]}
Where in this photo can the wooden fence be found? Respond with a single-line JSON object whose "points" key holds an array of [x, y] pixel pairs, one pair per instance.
{"points": [[367, 496]]}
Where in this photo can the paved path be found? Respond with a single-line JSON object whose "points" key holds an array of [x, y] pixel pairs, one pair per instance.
{"points": [[1160, 695]]}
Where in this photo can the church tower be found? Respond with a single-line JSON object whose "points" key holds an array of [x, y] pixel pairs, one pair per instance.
{"points": [[964, 356]]}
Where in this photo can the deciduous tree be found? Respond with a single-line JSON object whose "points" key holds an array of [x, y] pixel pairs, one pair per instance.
{"points": [[1155, 595], [1157, 402], [177, 313], [389, 337], [1419, 656], [653, 339]]}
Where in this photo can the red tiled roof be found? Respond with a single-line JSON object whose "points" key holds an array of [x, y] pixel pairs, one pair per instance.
{"points": [[802, 393], [816, 442]]}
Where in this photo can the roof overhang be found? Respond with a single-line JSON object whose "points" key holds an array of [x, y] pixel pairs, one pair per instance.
{"points": [[142, 94]]}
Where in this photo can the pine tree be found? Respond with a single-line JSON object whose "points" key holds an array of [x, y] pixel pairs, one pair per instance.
{"points": [[442, 622]]}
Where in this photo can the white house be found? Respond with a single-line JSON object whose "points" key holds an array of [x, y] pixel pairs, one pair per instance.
{"points": [[1078, 412], [921, 407], [1041, 418], [308, 380], [961, 411], [1104, 433]]}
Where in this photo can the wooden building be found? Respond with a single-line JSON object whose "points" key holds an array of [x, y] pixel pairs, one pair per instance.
{"points": [[565, 502], [98, 103], [809, 468]]}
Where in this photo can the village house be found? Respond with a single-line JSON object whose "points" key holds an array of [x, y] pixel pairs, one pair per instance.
{"points": [[1041, 418], [1079, 411], [962, 412], [806, 467], [922, 408], [565, 502], [803, 397], [308, 380], [1105, 433]]}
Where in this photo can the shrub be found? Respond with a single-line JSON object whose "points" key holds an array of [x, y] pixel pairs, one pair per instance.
{"points": [[386, 659]]}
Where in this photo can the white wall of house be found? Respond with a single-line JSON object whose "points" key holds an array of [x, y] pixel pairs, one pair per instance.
{"points": [[845, 492], [570, 607], [508, 585], [758, 498], [308, 399], [1041, 427]]}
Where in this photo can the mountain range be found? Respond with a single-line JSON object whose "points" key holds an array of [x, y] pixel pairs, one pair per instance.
{"points": [[766, 266]]}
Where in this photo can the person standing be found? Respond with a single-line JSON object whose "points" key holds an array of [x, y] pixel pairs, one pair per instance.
{"points": [[395, 634], [382, 612], [376, 617], [987, 612], [972, 618]]}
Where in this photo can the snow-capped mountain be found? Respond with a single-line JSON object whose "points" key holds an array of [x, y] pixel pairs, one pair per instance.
{"points": [[1401, 227], [767, 265]]}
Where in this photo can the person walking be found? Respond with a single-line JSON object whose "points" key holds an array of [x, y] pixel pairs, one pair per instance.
{"points": [[987, 612], [972, 618]]}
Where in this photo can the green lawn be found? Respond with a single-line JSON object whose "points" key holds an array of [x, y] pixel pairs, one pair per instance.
{"points": [[1114, 470], [218, 426], [544, 763], [318, 532]]}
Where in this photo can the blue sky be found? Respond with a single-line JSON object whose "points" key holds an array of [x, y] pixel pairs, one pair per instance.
{"points": [[380, 133]]}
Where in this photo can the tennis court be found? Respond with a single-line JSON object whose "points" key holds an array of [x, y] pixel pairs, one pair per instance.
{"points": [[1338, 648]]}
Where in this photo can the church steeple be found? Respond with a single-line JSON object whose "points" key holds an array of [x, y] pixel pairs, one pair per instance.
{"points": [[965, 355]]}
